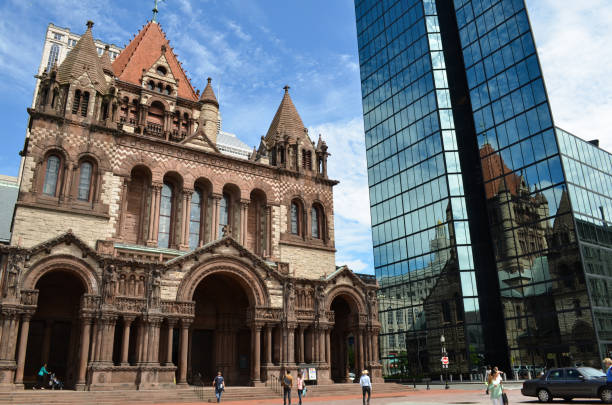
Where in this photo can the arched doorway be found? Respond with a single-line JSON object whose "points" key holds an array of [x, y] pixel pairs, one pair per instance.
{"points": [[343, 358], [54, 332], [220, 336]]}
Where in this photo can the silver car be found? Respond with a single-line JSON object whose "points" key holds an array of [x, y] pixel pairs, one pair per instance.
{"points": [[569, 383]]}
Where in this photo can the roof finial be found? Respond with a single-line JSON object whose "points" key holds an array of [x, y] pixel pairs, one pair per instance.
{"points": [[90, 24], [209, 80], [155, 11], [286, 88]]}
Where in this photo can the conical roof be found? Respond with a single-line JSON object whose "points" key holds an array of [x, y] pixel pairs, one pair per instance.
{"points": [[286, 120], [143, 51], [83, 58], [208, 95], [105, 61]]}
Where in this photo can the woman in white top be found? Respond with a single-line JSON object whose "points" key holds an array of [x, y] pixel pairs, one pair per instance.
{"points": [[495, 387], [300, 386]]}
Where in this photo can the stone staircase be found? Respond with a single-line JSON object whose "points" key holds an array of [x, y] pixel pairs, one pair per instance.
{"points": [[181, 395]]}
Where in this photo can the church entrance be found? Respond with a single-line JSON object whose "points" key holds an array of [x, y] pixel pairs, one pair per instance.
{"points": [[220, 336], [343, 358], [54, 329]]}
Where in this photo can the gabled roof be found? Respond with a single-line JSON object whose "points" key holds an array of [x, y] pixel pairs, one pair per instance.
{"points": [[83, 58], [208, 95], [143, 51], [493, 166], [286, 120]]}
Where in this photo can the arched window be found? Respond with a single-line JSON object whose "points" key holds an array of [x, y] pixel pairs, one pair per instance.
{"points": [[76, 102], [295, 218], [168, 90], [224, 213], [195, 219], [85, 174], [161, 71], [85, 104], [315, 223], [165, 216], [53, 56], [51, 175], [306, 159], [151, 85]]}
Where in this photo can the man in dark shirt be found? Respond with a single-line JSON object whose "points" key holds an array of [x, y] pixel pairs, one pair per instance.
{"points": [[219, 384]]}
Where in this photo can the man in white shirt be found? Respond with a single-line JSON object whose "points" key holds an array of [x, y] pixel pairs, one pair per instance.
{"points": [[366, 386]]}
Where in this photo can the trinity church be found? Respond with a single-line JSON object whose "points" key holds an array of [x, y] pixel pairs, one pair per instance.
{"points": [[142, 256]]}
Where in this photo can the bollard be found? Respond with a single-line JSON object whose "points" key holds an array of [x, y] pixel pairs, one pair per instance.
{"points": [[461, 377], [428, 383], [414, 383]]}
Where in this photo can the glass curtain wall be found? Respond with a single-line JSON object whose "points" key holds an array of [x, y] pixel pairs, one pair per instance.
{"points": [[589, 181], [543, 290], [422, 245]]}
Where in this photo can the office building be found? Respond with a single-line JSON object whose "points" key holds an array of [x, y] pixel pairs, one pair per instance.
{"points": [[478, 234]]}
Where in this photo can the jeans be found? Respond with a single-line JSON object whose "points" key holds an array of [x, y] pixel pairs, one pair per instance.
{"points": [[286, 394], [300, 392], [218, 395], [364, 391]]}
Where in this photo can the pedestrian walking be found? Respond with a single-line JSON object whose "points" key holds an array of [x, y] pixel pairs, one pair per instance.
{"points": [[41, 377], [486, 379], [300, 386], [219, 384], [287, 382], [495, 386], [366, 386]]}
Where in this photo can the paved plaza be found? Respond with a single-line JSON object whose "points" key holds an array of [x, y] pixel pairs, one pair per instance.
{"points": [[461, 395]]}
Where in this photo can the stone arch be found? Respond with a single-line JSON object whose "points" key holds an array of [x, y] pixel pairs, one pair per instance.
{"points": [[355, 300], [153, 99], [263, 187], [81, 269], [126, 167], [245, 275]]}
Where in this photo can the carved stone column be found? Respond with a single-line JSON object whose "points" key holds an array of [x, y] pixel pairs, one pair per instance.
{"points": [[23, 344], [256, 339], [125, 341], [268, 246], [124, 197], [301, 343], [328, 347], [85, 328], [9, 336], [216, 202], [171, 323], [291, 344], [244, 210], [360, 349], [269, 344], [108, 338], [375, 344], [187, 193], [154, 214], [322, 345], [182, 380]]}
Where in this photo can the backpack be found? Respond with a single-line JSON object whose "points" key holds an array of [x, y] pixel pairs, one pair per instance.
{"points": [[286, 382]]}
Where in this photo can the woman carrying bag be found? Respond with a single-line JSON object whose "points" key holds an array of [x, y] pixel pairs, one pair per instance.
{"points": [[496, 389]]}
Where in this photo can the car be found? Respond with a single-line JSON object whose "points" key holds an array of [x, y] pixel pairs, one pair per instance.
{"points": [[569, 383]]}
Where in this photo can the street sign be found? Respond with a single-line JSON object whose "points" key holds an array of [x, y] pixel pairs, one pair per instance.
{"points": [[444, 360]]}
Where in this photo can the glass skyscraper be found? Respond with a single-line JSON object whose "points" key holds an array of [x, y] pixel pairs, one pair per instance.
{"points": [[475, 238]]}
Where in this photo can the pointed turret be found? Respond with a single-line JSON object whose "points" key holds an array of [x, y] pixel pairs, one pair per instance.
{"points": [[83, 58], [208, 95], [105, 61], [286, 121]]}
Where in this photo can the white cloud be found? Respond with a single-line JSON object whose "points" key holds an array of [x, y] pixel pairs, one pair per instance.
{"points": [[347, 163], [573, 41]]}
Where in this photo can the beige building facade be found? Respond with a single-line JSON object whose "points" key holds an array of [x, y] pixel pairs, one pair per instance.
{"points": [[142, 256]]}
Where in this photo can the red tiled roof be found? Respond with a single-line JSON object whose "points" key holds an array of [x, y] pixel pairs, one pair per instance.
{"points": [[493, 167], [143, 51]]}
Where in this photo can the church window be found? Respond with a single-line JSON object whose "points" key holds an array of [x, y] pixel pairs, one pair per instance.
{"points": [[53, 56], [51, 175], [76, 102], [57, 36], [306, 159], [296, 214], [85, 175], [161, 71], [151, 85], [195, 219], [165, 216], [160, 87], [168, 90], [224, 213], [84, 104], [314, 217]]}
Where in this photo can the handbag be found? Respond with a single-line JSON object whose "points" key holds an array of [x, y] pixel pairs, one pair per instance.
{"points": [[304, 391], [504, 398]]}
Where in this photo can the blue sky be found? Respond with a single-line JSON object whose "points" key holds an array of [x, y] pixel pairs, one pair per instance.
{"points": [[252, 48]]}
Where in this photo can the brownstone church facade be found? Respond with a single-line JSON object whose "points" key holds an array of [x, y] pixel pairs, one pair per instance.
{"points": [[143, 257]]}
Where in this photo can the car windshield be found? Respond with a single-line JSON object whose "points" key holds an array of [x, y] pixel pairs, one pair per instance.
{"points": [[591, 372]]}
